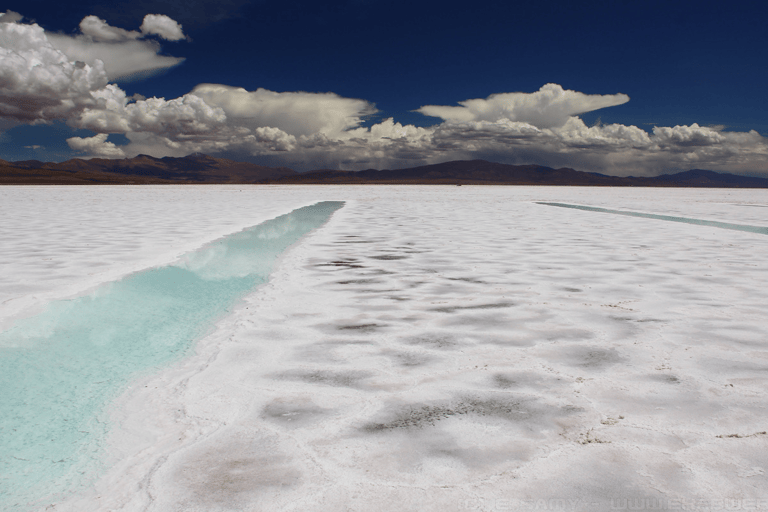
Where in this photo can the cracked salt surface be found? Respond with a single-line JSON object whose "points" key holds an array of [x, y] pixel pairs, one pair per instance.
{"points": [[515, 355]]}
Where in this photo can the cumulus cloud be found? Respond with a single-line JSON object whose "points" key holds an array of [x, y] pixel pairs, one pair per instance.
{"points": [[126, 60], [124, 53], [38, 82], [96, 146], [44, 77], [99, 30], [181, 117], [549, 107], [312, 130], [296, 113], [687, 136], [163, 26], [614, 149]]}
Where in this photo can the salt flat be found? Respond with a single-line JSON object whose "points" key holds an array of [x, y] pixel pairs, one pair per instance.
{"points": [[432, 348]]}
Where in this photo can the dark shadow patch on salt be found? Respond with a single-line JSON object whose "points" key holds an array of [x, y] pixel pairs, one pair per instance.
{"points": [[409, 359], [521, 340], [433, 340], [592, 358], [348, 379], [524, 380], [379, 272], [569, 335], [293, 414], [348, 264], [472, 280], [232, 474], [373, 290], [349, 342], [529, 412], [388, 257], [359, 281], [665, 378], [360, 328], [505, 382], [453, 309]]}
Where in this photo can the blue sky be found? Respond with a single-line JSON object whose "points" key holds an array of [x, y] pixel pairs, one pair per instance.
{"points": [[609, 86]]}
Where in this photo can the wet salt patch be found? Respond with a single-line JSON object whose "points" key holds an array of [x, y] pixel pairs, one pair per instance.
{"points": [[643, 299]]}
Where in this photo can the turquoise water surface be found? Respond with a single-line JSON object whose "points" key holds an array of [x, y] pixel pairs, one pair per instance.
{"points": [[60, 369]]}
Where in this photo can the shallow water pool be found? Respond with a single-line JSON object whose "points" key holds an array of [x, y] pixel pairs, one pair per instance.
{"points": [[59, 369]]}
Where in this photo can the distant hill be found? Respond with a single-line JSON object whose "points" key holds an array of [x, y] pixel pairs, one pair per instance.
{"points": [[143, 169], [701, 178], [199, 168], [12, 175], [481, 172]]}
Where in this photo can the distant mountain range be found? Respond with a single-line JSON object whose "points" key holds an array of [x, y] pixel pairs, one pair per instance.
{"points": [[143, 169], [199, 168]]}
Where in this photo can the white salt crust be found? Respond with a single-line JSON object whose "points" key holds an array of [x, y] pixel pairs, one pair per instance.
{"points": [[432, 348]]}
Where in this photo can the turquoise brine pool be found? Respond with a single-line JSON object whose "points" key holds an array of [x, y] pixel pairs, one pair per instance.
{"points": [[61, 368]]}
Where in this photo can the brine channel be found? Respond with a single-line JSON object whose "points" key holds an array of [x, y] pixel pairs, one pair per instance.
{"points": [[61, 368], [686, 220]]}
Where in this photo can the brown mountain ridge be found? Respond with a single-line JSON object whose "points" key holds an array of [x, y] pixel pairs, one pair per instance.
{"points": [[199, 168], [143, 169]]}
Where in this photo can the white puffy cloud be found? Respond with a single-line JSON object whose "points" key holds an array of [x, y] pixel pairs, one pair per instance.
{"points": [[40, 82], [124, 53], [549, 107], [388, 129], [274, 139], [309, 130], [687, 136], [96, 146], [163, 26], [184, 117], [37, 81], [99, 30], [131, 58], [297, 113], [613, 149], [45, 77]]}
